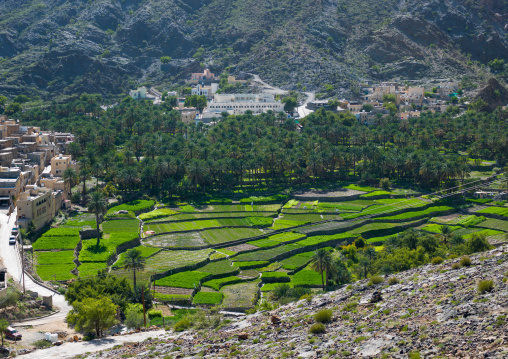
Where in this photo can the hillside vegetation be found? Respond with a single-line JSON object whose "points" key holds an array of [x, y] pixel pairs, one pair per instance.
{"points": [[63, 47]]}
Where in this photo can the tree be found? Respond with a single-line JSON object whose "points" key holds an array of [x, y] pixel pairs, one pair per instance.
{"points": [[387, 97], [97, 204], [3, 101], [342, 274], [134, 262], [290, 103], [12, 108], [197, 101], [321, 262], [70, 175], [385, 183], [165, 59], [367, 107], [496, 64], [446, 233], [21, 99], [134, 316], [93, 315], [4, 324], [477, 243]]}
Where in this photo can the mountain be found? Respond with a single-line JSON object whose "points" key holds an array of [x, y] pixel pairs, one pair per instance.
{"points": [[59, 48], [428, 312]]}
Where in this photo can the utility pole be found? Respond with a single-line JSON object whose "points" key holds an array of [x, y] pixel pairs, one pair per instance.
{"points": [[143, 296], [22, 259]]}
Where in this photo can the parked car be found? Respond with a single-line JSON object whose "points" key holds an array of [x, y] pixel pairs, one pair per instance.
{"points": [[11, 333], [12, 240], [15, 230]]}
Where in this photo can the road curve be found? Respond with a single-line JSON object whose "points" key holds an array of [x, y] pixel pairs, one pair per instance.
{"points": [[12, 262]]}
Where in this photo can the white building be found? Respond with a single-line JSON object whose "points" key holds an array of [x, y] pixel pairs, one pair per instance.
{"points": [[208, 91], [139, 93], [238, 104]]}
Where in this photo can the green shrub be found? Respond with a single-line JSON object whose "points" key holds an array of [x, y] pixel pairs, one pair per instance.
{"points": [[42, 343], [152, 313], [376, 280], [456, 266], [393, 280], [485, 286], [182, 325], [414, 355], [207, 298], [437, 260], [323, 316], [465, 261], [317, 328]]}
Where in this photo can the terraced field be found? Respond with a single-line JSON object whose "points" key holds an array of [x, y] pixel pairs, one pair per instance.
{"points": [[206, 265]]}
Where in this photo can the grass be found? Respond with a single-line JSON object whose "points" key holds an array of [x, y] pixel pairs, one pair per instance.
{"points": [[219, 267], [49, 243], [223, 235], [240, 295], [415, 214], [56, 271], [291, 203], [296, 261], [258, 199], [436, 228], [265, 255], [175, 298], [283, 224], [90, 268], [156, 214], [189, 279], [360, 188], [267, 287], [286, 237], [264, 243], [138, 205], [219, 283], [376, 193], [80, 221], [165, 260], [91, 253], [121, 225], [250, 264], [274, 277], [330, 206], [494, 223], [145, 252], [210, 215], [314, 240], [307, 278], [486, 232], [207, 298], [386, 206], [49, 258], [495, 210]]}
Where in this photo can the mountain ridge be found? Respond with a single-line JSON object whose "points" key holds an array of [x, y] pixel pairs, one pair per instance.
{"points": [[108, 46]]}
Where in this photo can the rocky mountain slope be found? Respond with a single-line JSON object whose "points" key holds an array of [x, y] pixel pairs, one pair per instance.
{"points": [[434, 311], [57, 48]]}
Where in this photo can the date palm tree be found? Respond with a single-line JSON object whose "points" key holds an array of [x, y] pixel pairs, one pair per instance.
{"points": [[322, 262], [97, 204], [70, 175], [134, 262]]}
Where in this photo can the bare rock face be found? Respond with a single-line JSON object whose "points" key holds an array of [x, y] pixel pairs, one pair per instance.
{"points": [[435, 311], [57, 48], [494, 94]]}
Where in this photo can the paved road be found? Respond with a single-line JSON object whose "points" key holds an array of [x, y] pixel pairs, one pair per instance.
{"points": [[266, 87], [69, 350], [12, 262], [303, 110]]}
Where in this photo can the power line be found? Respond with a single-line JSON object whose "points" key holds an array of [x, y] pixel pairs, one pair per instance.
{"points": [[399, 206]]}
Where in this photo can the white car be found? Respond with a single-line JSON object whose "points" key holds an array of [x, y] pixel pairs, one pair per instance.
{"points": [[12, 240]]}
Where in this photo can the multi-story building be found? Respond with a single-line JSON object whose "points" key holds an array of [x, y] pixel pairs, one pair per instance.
{"points": [[237, 104], [205, 90], [205, 75], [38, 205], [60, 163]]}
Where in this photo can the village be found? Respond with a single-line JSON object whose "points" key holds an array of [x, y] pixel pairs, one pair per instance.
{"points": [[374, 102]]}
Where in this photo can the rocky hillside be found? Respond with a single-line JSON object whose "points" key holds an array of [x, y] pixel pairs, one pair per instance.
{"points": [[434, 311], [57, 48]]}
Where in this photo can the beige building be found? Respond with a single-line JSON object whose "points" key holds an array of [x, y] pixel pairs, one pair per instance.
{"points": [[233, 81], [56, 184], [60, 163], [39, 205]]}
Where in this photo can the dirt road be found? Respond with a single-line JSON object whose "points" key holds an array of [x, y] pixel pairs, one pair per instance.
{"points": [[69, 350]]}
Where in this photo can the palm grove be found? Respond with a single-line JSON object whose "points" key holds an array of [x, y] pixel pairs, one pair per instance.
{"points": [[139, 146]]}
